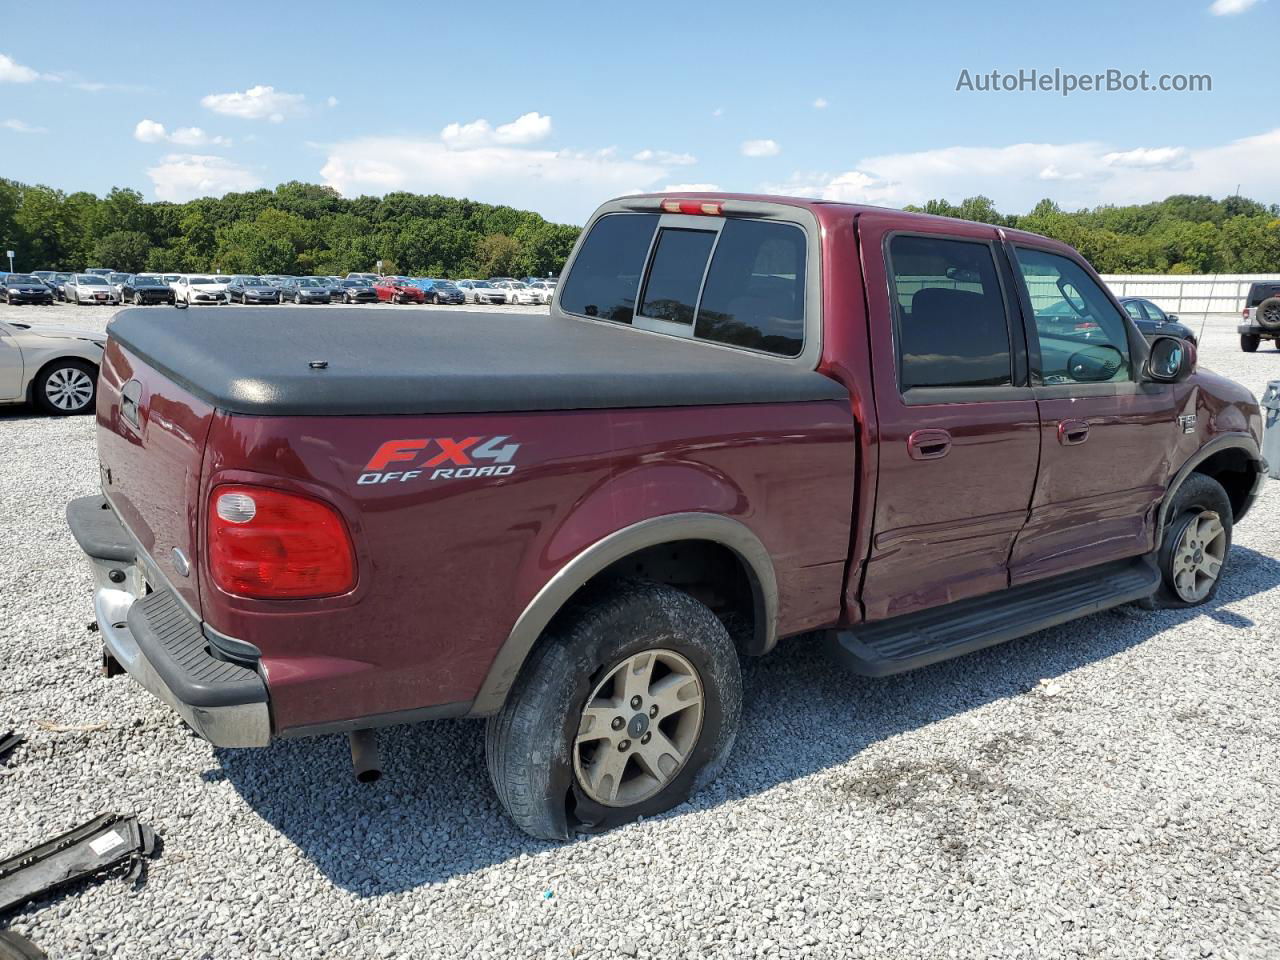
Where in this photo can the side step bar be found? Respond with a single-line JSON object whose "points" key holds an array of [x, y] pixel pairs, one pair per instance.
{"points": [[918, 639]]}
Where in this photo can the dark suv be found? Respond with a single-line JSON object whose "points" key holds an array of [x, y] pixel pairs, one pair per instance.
{"points": [[1261, 315]]}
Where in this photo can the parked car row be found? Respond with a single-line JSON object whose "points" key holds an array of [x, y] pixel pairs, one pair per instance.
{"points": [[100, 285]]}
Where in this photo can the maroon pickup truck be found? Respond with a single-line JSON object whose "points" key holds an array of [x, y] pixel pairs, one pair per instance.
{"points": [[744, 418]]}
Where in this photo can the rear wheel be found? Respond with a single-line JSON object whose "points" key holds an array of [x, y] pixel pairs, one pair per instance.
{"points": [[1196, 542], [627, 707], [1249, 342], [137, 299], [66, 387]]}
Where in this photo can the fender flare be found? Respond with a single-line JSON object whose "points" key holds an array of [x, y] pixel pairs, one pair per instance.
{"points": [[1236, 441], [557, 591]]}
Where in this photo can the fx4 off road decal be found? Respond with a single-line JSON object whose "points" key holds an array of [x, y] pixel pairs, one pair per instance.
{"points": [[441, 458]]}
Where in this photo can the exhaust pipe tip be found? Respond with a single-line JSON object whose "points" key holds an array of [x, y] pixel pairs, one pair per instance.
{"points": [[366, 761]]}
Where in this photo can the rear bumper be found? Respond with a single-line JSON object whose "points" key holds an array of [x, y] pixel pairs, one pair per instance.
{"points": [[1252, 329], [151, 633]]}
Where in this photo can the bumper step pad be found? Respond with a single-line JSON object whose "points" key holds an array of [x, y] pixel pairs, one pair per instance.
{"points": [[108, 844]]}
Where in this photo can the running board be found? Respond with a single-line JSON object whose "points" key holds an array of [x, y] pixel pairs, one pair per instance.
{"points": [[939, 633]]}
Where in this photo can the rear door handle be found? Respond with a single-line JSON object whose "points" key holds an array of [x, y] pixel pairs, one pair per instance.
{"points": [[1071, 432], [928, 444]]}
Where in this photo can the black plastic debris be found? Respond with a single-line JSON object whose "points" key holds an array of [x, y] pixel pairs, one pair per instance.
{"points": [[8, 741], [109, 845], [14, 946]]}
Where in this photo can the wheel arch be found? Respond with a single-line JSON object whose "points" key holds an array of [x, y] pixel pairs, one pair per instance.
{"points": [[1234, 461], [600, 558]]}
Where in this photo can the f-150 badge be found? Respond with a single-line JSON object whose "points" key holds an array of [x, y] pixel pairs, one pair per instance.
{"points": [[441, 458]]}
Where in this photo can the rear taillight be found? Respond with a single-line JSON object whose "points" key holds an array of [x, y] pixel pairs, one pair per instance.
{"points": [[271, 545], [1245, 313], [705, 208]]}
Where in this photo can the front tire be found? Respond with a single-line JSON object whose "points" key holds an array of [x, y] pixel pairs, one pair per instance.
{"points": [[66, 388], [1249, 342], [630, 704], [1196, 543]]}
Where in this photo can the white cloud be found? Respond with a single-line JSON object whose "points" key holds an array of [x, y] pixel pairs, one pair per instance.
{"points": [[527, 128], [665, 157], [560, 184], [1148, 158], [21, 126], [1228, 8], [149, 131], [256, 103], [691, 188], [760, 148], [332, 101], [13, 72], [821, 103], [185, 176], [1081, 174]]}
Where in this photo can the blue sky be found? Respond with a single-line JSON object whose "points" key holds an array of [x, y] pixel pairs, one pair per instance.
{"points": [[556, 107]]}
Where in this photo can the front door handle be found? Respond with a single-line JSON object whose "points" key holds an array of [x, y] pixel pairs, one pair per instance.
{"points": [[928, 444], [1071, 432]]}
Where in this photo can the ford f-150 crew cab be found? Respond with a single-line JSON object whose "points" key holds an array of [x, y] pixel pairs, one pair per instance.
{"points": [[744, 418]]}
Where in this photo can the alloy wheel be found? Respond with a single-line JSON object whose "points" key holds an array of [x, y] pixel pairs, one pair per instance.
{"points": [[638, 728], [69, 389], [1199, 556]]}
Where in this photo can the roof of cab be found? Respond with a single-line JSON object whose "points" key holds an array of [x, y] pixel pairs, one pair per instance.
{"points": [[827, 211]]}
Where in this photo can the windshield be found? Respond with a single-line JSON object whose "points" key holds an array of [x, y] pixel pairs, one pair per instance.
{"points": [[254, 282], [148, 282], [20, 278], [483, 284], [308, 282], [355, 283], [91, 279], [194, 280], [445, 285]]}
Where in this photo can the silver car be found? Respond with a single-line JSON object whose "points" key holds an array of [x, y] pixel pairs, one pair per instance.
{"points": [[53, 367], [89, 288]]}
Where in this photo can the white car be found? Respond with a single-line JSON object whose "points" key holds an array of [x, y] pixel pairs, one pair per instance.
{"points": [[196, 289], [481, 291], [89, 288], [542, 290], [517, 292]]}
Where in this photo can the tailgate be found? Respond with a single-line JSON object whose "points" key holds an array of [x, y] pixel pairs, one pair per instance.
{"points": [[151, 437]]}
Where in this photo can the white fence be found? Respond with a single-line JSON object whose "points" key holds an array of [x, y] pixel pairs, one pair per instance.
{"points": [[1189, 295]]}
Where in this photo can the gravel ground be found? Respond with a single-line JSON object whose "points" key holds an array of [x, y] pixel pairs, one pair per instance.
{"points": [[1107, 788]]}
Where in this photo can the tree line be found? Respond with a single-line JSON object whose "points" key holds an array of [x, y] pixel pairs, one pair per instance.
{"points": [[295, 229], [1181, 234], [302, 228]]}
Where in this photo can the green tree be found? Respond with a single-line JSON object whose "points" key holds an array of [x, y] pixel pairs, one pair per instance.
{"points": [[496, 255], [125, 250]]}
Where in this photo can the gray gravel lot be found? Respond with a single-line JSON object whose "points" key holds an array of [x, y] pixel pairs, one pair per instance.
{"points": [[1107, 788]]}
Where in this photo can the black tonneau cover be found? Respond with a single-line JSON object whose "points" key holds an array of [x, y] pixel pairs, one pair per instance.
{"points": [[258, 360]]}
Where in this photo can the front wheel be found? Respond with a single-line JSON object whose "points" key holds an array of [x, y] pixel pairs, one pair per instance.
{"points": [[629, 705], [1249, 342], [66, 387], [1197, 539]]}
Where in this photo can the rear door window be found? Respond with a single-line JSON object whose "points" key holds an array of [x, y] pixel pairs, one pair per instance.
{"points": [[606, 272], [754, 294], [952, 325]]}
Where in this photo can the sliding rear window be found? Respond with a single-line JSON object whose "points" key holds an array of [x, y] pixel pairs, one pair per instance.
{"points": [[730, 281]]}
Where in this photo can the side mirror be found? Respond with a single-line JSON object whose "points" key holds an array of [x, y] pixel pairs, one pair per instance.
{"points": [[1171, 317], [1171, 360], [1097, 363]]}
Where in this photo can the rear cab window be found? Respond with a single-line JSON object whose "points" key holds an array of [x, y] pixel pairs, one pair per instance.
{"points": [[729, 280]]}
